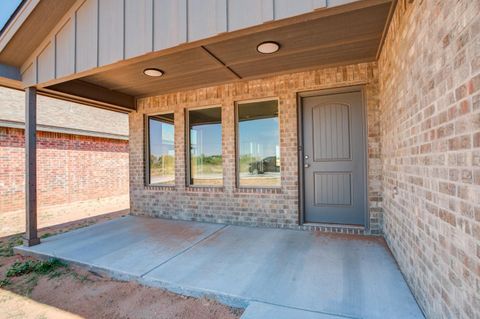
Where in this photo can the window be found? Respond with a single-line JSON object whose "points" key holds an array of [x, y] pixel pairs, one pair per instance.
{"points": [[205, 145], [161, 150], [258, 144]]}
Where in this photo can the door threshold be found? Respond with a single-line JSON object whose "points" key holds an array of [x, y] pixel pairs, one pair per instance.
{"points": [[334, 225], [337, 228]]}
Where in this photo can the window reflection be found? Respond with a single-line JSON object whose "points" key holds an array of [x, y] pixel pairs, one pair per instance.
{"points": [[205, 127], [161, 149], [258, 144]]}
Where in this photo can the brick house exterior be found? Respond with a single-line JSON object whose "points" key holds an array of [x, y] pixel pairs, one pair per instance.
{"points": [[423, 142], [420, 84], [259, 207], [83, 164]]}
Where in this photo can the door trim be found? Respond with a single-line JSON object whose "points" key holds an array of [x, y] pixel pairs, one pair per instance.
{"points": [[300, 138]]}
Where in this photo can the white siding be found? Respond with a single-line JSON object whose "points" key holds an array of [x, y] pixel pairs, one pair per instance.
{"points": [[46, 64], [86, 35], [288, 8], [100, 32], [334, 3], [260, 11], [170, 23], [206, 18], [138, 27], [111, 24], [65, 50], [28, 76]]}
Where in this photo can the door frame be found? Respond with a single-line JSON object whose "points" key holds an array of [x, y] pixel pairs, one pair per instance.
{"points": [[300, 139]]}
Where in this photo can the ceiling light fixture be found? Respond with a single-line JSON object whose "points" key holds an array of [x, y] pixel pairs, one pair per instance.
{"points": [[268, 47], [153, 72]]}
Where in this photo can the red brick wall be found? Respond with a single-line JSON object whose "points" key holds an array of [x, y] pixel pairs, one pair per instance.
{"points": [[430, 135], [70, 168]]}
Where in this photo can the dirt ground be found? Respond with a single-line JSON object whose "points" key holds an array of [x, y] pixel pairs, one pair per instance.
{"points": [[13, 222], [50, 289]]}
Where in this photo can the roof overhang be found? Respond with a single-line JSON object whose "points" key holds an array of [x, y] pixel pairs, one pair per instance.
{"points": [[24, 31], [344, 34], [28, 28]]}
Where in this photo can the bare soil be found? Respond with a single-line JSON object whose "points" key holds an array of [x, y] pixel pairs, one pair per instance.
{"points": [[12, 222], [74, 292]]}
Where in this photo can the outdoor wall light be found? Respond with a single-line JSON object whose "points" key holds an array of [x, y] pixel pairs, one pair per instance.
{"points": [[268, 47], [153, 72]]}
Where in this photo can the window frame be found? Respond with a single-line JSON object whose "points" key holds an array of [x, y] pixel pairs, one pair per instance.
{"points": [[147, 150], [188, 162], [237, 144]]}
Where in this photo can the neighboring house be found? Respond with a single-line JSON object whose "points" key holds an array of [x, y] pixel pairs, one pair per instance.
{"points": [[347, 116], [82, 161]]}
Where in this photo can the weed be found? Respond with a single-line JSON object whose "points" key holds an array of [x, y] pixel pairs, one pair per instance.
{"points": [[20, 268], [6, 248], [46, 235], [38, 267], [81, 278], [5, 282], [56, 273], [30, 284], [25, 285], [49, 266]]}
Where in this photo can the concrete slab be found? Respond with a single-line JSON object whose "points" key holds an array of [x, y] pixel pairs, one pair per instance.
{"points": [[258, 310], [129, 245], [345, 276]]}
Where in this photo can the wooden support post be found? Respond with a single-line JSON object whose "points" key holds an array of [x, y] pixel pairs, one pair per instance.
{"points": [[31, 235]]}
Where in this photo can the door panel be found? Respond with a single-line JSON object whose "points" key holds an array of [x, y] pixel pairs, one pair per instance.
{"points": [[331, 138], [334, 158], [333, 188]]}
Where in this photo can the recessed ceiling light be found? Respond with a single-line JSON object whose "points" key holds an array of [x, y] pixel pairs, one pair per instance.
{"points": [[268, 47], [153, 72]]}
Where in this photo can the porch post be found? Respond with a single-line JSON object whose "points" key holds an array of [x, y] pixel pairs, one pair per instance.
{"points": [[31, 236]]}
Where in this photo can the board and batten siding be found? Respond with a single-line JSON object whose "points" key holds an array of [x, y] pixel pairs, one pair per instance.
{"points": [[96, 33]]}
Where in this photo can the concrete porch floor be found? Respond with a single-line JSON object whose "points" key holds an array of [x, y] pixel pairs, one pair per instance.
{"points": [[274, 273]]}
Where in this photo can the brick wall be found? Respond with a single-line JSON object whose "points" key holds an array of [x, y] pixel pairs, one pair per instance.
{"points": [[430, 134], [70, 168], [272, 208]]}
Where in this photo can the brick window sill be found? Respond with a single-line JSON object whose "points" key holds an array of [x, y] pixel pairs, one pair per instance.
{"points": [[160, 187], [205, 189], [258, 190]]}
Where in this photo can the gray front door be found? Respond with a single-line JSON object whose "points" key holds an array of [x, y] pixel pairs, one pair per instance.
{"points": [[334, 159]]}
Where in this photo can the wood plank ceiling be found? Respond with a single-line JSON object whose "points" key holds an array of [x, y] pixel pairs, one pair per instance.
{"points": [[348, 37], [45, 16]]}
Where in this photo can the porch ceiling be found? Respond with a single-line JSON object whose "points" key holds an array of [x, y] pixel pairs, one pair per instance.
{"points": [[337, 37]]}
